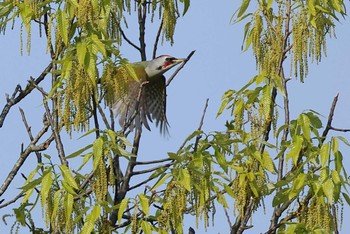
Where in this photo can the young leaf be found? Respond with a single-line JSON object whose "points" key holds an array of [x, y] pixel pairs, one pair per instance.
{"points": [[122, 206], [90, 220], [295, 149], [298, 184], [68, 208], [45, 186], [328, 189], [144, 203], [185, 179], [63, 25], [146, 227], [68, 177], [97, 150], [324, 154]]}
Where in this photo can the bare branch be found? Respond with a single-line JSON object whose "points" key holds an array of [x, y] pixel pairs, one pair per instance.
{"points": [[153, 162], [38, 155], [128, 40], [142, 12], [201, 125], [21, 194], [20, 93], [152, 169], [57, 137], [330, 118], [30, 148], [155, 46], [179, 68]]}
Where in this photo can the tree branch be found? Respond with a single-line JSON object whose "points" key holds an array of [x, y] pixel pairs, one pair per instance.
{"points": [[20, 93], [57, 137], [330, 118], [156, 41], [30, 148], [198, 137], [179, 68]]}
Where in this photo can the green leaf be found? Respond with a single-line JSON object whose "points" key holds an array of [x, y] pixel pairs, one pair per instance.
{"points": [[31, 184], [26, 15], [222, 200], [295, 149], [185, 179], [63, 25], [347, 198], [229, 190], [304, 122], [68, 177], [186, 6], [335, 145], [68, 188], [131, 71], [79, 152], [243, 8], [97, 150], [57, 202], [335, 177], [280, 197], [314, 120], [144, 203], [328, 189], [160, 181], [311, 7], [68, 207], [81, 52], [98, 45], [238, 106], [90, 220], [146, 227], [267, 162], [45, 186], [122, 206], [220, 157], [222, 106], [324, 154], [344, 140], [192, 135], [298, 184], [27, 195]]}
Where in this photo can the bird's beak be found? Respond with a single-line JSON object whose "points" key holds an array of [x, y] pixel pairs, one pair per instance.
{"points": [[176, 60]]}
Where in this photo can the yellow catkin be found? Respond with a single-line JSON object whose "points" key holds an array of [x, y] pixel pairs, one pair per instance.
{"points": [[317, 215]]}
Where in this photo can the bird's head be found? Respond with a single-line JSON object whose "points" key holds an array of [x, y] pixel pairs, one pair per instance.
{"points": [[161, 64]]}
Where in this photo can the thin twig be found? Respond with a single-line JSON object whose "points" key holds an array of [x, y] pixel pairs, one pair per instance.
{"points": [[21, 194], [198, 137], [128, 40], [153, 161], [30, 148], [152, 169], [156, 41], [20, 93], [179, 68], [29, 131], [330, 118], [55, 131]]}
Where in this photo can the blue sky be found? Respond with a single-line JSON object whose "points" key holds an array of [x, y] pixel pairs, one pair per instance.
{"points": [[218, 65]]}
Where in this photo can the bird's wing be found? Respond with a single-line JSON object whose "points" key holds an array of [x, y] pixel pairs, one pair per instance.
{"points": [[154, 104]]}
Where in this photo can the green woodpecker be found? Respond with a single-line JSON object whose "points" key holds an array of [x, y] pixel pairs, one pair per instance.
{"points": [[145, 99]]}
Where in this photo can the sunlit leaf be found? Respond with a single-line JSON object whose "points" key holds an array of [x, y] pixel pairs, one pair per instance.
{"points": [[68, 177], [91, 218], [144, 203], [122, 206]]}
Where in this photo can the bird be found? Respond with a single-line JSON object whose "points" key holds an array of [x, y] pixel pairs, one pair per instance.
{"points": [[142, 98]]}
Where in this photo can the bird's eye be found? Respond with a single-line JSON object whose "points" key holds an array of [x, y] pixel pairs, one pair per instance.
{"points": [[169, 59], [159, 68]]}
